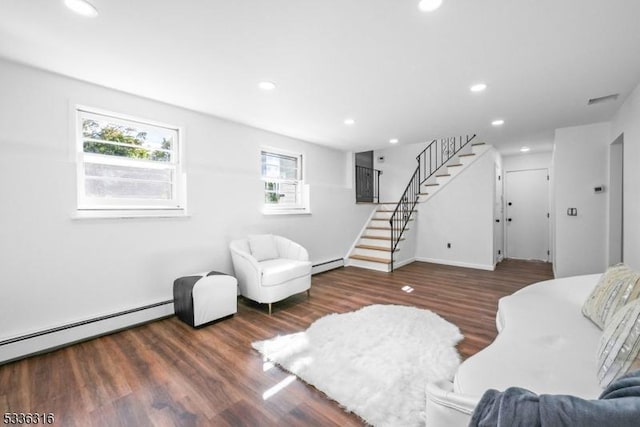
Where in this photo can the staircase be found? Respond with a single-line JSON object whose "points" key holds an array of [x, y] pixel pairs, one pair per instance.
{"points": [[380, 242], [372, 250]]}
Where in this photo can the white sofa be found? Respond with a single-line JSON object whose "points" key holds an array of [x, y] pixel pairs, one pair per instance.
{"points": [[285, 273], [544, 344]]}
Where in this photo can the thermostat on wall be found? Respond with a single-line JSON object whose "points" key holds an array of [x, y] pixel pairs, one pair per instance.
{"points": [[599, 189], [381, 159]]}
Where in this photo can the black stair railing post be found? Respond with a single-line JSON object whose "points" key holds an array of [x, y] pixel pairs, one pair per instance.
{"points": [[377, 188]]}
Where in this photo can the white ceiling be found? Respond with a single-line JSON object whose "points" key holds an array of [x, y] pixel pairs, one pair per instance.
{"points": [[400, 73]]}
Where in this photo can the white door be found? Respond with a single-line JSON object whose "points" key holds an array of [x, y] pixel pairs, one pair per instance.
{"points": [[527, 214]]}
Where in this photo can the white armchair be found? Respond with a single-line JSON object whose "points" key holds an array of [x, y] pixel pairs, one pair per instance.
{"points": [[270, 268]]}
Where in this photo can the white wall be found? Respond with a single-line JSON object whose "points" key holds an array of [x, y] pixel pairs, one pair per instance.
{"points": [[56, 270], [627, 121], [579, 164], [399, 165], [527, 161], [461, 214]]}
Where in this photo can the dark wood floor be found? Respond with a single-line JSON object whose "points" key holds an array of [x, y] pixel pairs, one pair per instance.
{"points": [[165, 373]]}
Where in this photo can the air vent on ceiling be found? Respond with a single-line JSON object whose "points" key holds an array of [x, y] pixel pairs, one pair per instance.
{"points": [[603, 99]]}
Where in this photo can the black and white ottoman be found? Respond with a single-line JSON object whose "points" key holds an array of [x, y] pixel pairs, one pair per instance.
{"points": [[205, 297]]}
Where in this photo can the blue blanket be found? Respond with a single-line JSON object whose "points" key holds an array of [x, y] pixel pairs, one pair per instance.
{"points": [[618, 405]]}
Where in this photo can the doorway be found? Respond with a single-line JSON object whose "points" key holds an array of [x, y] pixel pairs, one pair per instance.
{"points": [[364, 177], [527, 214], [616, 201]]}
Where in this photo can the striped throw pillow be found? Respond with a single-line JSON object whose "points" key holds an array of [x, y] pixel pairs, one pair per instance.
{"points": [[617, 286], [620, 344]]}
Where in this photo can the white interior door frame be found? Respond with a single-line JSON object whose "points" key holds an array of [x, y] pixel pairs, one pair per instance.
{"points": [[498, 230], [527, 214]]}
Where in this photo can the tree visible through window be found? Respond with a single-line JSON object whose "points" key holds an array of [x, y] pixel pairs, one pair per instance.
{"points": [[125, 163], [282, 176], [134, 144]]}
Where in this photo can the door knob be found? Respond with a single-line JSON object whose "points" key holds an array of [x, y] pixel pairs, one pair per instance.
{"points": [[509, 219], [497, 220]]}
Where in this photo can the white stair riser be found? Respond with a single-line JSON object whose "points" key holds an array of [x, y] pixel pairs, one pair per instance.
{"points": [[383, 233], [369, 265], [467, 159], [383, 216], [454, 170], [374, 242], [442, 180], [430, 190], [479, 149], [373, 253], [384, 222]]}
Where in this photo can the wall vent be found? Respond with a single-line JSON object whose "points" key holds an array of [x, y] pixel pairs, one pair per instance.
{"points": [[602, 99]]}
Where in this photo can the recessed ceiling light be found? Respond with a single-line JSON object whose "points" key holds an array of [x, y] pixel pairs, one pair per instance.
{"points": [[267, 85], [498, 122], [82, 7], [349, 122], [393, 140], [525, 149], [429, 5], [479, 87]]}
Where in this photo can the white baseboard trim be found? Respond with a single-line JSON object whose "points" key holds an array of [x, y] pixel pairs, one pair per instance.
{"points": [[398, 264], [60, 336], [327, 265], [488, 267]]}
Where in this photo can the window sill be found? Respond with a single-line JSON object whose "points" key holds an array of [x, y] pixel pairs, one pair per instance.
{"points": [[126, 214], [286, 211]]}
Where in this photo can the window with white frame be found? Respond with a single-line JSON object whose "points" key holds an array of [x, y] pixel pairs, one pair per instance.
{"points": [[284, 189], [127, 164]]}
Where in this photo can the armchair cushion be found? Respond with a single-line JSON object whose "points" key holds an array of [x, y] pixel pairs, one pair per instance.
{"points": [[278, 271], [263, 247]]}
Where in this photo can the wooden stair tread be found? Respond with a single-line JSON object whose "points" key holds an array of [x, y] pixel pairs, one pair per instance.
{"points": [[473, 144], [384, 211], [454, 166], [386, 228], [371, 259], [375, 248], [431, 185], [466, 155], [377, 237], [385, 219], [423, 194], [444, 174]]}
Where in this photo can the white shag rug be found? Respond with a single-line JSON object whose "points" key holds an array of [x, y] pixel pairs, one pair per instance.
{"points": [[374, 362]]}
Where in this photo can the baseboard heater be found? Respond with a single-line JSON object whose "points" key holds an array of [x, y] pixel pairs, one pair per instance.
{"points": [[15, 348], [327, 265], [50, 339]]}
